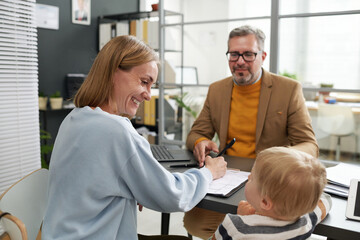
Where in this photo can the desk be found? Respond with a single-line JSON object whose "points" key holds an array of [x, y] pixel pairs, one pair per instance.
{"points": [[334, 226], [311, 105]]}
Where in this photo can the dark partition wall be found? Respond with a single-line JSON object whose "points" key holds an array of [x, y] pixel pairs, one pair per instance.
{"points": [[71, 49]]}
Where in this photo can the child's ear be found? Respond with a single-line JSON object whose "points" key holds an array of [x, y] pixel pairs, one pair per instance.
{"points": [[266, 203]]}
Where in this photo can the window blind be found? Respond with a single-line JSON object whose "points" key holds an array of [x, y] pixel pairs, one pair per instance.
{"points": [[19, 113]]}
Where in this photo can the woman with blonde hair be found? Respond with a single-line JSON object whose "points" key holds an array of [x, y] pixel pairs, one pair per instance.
{"points": [[101, 168]]}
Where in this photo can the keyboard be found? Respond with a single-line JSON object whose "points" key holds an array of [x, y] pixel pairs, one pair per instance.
{"points": [[161, 152]]}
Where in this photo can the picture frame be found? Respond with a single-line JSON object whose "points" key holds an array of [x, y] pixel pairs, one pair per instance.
{"points": [[81, 12], [47, 16]]}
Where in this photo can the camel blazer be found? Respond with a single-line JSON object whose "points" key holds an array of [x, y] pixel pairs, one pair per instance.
{"points": [[282, 118]]}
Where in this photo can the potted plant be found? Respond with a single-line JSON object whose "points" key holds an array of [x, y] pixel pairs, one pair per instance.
{"points": [[326, 85], [45, 148], [42, 101], [180, 101], [289, 75], [56, 100]]}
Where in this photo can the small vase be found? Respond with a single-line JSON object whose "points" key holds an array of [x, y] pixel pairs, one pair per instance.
{"points": [[43, 103], [56, 103]]}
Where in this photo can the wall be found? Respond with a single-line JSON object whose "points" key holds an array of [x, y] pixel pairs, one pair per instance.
{"points": [[71, 49]]}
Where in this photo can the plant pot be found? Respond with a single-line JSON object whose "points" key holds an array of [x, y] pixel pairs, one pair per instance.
{"points": [[155, 6], [43, 103], [56, 103], [325, 85]]}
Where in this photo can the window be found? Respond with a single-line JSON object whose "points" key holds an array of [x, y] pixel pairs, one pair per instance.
{"points": [[19, 122], [313, 6], [321, 48], [318, 41]]}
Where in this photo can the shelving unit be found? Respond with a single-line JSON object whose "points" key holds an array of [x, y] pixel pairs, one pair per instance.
{"points": [[166, 19]]}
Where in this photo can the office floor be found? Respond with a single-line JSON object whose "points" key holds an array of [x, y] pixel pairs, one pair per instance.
{"points": [[149, 223]]}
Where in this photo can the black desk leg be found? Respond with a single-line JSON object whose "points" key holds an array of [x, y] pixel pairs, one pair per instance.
{"points": [[165, 221]]}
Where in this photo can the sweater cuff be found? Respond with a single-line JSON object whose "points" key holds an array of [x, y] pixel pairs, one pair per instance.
{"points": [[207, 173], [199, 140]]}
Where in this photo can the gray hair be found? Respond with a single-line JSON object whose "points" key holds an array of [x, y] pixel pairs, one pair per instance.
{"points": [[247, 30]]}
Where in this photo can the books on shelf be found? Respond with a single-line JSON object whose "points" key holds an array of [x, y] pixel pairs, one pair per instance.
{"points": [[153, 104], [104, 34], [146, 113], [143, 29], [339, 177], [122, 28], [139, 117], [145, 32], [230, 183], [153, 34]]}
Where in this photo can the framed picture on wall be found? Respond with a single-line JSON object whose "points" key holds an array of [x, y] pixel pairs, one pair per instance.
{"points": [[81, 11]]}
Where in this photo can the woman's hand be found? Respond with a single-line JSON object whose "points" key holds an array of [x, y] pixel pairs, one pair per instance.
{"points": [[217, 166]]}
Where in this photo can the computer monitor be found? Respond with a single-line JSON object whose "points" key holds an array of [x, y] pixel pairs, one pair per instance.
{"points": [[73, 82], [190, 75]]}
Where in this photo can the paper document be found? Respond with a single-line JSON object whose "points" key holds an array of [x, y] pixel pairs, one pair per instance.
{"points": [[342, 174], [229, 184], [337, 190], [339, 178]]}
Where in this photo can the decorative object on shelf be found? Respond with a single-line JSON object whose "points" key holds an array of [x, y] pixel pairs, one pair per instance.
{"points": [[42, 101], [155, 6], [146, 26], [310, 95], [56, 100], [180, 101], [326, 85], [81, 12]]}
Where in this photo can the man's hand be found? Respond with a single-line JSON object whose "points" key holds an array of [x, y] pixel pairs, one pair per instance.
{"points": [[244, 208], [217, 166], [202, 149]]}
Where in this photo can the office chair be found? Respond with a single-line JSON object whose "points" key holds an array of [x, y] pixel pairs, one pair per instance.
{"points": [[27, 200], [14, 228], [336, 120]]}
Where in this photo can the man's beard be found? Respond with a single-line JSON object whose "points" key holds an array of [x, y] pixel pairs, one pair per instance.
{"points": [[241, 79]]}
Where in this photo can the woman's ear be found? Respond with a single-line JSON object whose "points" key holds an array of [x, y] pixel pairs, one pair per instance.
{"points": [[266, 203]]}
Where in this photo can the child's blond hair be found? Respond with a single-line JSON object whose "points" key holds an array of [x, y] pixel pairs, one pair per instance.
{"points": [[292, 179]]}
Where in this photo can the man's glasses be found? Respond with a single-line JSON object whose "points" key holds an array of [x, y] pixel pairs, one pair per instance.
{"points": [[247, 56]]}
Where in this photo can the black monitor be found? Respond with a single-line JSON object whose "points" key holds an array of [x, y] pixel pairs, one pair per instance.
{"points": [[73, 82]]}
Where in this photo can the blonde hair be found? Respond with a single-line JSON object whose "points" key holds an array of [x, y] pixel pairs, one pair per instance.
{"points": [[292, 179], [122, 52]]}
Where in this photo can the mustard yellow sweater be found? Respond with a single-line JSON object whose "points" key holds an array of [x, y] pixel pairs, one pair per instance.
{"points": [[242, 120]]}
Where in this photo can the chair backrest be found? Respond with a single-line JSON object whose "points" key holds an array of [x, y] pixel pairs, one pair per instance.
{"points": [[14, 228], [336, 119], [27, 200]]}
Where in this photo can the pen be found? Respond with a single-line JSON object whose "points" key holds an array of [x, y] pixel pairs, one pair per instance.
{"points": [[187, 165], [226, 147]]}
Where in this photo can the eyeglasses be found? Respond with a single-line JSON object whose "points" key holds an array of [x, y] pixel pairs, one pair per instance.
{"points": [[247, 56]]}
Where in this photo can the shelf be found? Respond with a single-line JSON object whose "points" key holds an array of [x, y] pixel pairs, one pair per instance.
{"points": [[137, 15], [110, 24]]}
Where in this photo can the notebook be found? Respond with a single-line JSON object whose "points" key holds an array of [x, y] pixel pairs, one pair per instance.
{"points": [[171, 153], [228, 184]]}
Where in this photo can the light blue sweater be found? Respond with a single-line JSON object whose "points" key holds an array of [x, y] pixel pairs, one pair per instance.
{"points": [[100, 168]]}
